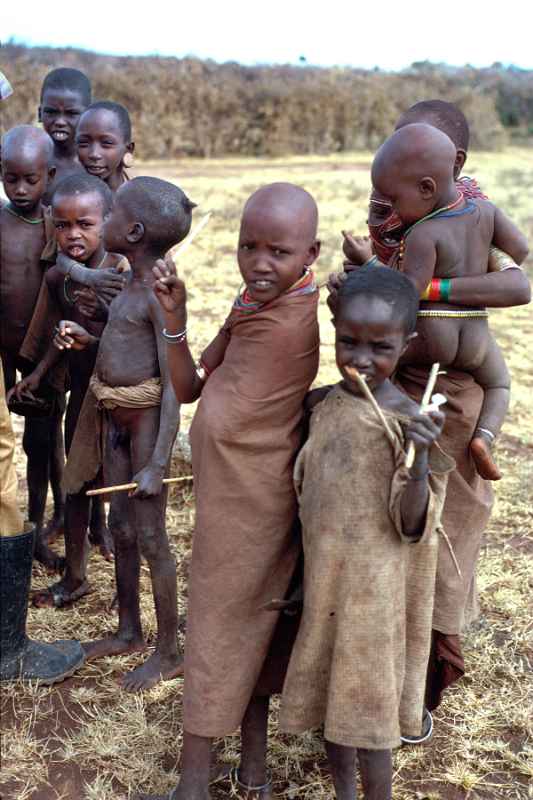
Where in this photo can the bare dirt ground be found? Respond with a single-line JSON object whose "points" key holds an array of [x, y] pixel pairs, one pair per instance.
{"points": [[88, 740]]}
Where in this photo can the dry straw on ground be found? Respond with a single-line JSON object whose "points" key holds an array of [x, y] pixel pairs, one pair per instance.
{"points": [[88, 740]]}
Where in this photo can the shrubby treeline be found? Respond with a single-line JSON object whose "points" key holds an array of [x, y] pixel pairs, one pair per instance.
{"points": [[186, 106]]}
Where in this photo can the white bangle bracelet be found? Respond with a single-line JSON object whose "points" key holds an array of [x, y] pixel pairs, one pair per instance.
{"points": [[174, 338]]}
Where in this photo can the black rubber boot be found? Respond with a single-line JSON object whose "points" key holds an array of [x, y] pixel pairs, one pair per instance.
{"points": [[20, 657]]}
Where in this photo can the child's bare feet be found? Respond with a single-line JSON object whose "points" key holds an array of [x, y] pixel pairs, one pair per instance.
{"points": [[357, 249], [60, 594], [113, 646], [45, 556], [480, 448], [156, 668]]}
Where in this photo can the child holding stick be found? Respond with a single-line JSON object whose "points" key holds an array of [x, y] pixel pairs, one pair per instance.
{"points": [[370, 544]]}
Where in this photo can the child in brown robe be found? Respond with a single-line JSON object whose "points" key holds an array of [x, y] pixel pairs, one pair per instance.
{"points": [[370, 527], [252, 380]]}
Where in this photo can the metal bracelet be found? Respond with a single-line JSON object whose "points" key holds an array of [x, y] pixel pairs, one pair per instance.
{"points": [[174, 338]]}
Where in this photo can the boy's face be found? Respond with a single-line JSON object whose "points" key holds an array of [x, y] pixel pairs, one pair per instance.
{"points": [[101, 145], [25, 175], [409, 197], [78, 221], [117, 225], [272, 254], [370, 337], [59, 112]]}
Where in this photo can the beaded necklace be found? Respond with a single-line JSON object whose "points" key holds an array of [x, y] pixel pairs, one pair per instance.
{"points": [[12, 210], [431, 215]]}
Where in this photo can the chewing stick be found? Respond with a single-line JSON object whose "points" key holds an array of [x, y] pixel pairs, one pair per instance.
{"points": [[356, 375], [428, 391], [191, 237], [127, 487]]}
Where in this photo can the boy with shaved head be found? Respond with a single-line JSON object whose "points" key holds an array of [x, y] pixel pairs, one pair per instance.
{"points": [[26, 171], [252, 381]]}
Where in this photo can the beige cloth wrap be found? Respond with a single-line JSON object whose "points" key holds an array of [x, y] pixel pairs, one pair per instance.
{"points": [[86, 452], [244, 437], [359, 662], [11, 521]]}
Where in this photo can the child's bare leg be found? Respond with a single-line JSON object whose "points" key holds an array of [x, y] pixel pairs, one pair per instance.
{"points": [[99, 534], [375, 767], [342, 765], [55, 526], [73, 585], [36, 444], [494, 379], [129, 637], [254, 735], [147, 516]]}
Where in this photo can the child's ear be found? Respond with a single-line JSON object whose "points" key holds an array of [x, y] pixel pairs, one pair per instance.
{"points": [[135, 233], [313, 253], [460, 160], [51, 173], [427, 187], [40, 114]]}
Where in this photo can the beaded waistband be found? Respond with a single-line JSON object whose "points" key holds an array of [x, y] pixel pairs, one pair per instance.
{"points": [[449, 314]]}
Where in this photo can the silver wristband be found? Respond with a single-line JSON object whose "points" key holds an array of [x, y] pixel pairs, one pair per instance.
{"points": [[174, 338]]}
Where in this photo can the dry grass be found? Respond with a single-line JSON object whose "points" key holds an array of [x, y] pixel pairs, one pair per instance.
{"points": [[88, 739]]}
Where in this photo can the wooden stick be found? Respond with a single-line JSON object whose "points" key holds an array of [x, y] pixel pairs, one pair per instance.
{"points": [[428, 391], [180, 249], [126, 487], [356, 375]]}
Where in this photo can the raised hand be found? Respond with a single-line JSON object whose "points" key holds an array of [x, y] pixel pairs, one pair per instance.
{"points": [[357, 250], [423, 430], [168, 287]]}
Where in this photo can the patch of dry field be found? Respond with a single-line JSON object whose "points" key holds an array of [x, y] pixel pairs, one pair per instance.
{"points": [[88, 739]]}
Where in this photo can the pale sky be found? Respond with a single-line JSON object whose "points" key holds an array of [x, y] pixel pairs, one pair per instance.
{"points": [[386, 33]]}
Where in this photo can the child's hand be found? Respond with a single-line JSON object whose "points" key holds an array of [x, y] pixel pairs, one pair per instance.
{"points": [[107, 283], [149, 482], [27, 386], [335, 281], [423, 430], [168, 288], [90, 305], [71, 336], [357, 250]]}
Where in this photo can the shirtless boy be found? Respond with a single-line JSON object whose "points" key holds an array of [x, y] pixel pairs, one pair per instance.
{"points": [[26, 154], [65, 95], [79, 205], [139, 415], [448, 237], [244, 439]]}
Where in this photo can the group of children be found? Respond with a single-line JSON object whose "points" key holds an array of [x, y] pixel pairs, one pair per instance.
{"points": [[387, 576]]}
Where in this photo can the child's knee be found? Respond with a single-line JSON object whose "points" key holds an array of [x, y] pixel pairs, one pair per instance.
{"points": [[154, 547]]}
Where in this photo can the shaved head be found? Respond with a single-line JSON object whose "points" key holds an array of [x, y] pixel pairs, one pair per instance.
{"points": [[27, 141], [414, 152], [286, 201]]}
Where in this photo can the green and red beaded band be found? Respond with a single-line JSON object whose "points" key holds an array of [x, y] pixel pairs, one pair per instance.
{"points": [[437, 290]]}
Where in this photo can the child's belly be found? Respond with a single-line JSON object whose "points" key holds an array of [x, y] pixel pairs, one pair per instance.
{"points": [[459, 343]]}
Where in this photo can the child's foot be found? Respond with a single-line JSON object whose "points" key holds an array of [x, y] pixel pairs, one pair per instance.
{"points": [[481, 453], [60, 594], [54, 529], [157, 668], [101, 537], [112, 646]]}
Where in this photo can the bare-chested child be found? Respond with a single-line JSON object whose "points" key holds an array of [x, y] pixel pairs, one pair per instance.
{"points": [[26, 155], [139, 414], [448, 237], [65, 95], [79, 206], [245, 434]]}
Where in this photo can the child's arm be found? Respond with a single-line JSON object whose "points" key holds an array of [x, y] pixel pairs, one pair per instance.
{"points": [[509, 287], [172, 296], [419, 258], [105, 282], [509, 238], [150, 477], [423, 430], [31, 382]]}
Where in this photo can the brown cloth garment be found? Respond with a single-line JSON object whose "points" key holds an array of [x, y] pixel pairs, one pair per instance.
{"points": [[85, 457], [466, 512], [244, 438], [359, 662]]}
